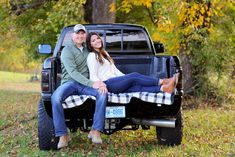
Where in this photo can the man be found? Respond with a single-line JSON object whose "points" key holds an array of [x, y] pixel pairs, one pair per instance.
{"points": [[75, 81]]}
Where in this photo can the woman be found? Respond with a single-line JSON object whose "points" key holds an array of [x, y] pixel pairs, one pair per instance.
{"points": [[101, 68]]}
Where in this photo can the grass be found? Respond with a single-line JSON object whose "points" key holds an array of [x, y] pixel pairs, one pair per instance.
{"points": [[207, 132], [17, 82], [12, 77]]}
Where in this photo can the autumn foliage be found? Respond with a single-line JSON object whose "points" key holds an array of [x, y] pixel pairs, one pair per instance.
{"points": [[201, 32]]}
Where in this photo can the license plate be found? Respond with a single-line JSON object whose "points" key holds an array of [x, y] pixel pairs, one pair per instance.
{"points": [[115, 112]]}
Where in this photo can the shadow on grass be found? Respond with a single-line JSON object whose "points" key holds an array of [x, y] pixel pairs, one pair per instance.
{"points": [[121, 143]]}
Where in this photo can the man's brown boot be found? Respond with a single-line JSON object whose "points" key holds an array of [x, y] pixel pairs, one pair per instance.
{"points": [[63, 141], [94, 136]]}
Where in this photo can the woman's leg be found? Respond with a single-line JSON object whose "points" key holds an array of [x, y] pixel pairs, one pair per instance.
{"points": [[122, 83], [167, 87], [149, 79], [138, 88]]}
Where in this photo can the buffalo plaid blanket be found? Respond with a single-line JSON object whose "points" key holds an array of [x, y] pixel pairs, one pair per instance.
{"points": [[122, 98]]}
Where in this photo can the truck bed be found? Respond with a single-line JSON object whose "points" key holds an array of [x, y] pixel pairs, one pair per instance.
{"points": [[155, 66]]}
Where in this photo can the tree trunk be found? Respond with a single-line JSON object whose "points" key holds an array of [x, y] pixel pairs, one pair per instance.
{"points": [[98, 11], [188, 80]]}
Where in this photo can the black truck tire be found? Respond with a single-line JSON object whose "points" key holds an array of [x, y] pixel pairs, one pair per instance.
{"points": [[171, 136], [46, 133]]}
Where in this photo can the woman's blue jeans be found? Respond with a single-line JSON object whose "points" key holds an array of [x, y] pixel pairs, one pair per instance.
{"points": [[133, 82], [75, 88]]}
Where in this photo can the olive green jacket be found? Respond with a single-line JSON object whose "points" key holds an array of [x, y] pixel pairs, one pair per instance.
{"points": [[74, 64]]}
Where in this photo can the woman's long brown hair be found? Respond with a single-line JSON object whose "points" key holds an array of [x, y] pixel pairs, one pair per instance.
{"points": [[102, 53]]}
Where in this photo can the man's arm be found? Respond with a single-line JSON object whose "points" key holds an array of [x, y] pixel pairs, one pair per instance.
{"points": [[67, 59]]}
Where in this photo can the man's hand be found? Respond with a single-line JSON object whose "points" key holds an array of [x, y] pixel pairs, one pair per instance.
{"points": [[101, 86]]}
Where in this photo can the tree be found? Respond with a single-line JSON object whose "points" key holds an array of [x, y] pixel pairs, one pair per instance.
{"points": [[40, 21], [195, 17], [193, 29], [98, 11]]}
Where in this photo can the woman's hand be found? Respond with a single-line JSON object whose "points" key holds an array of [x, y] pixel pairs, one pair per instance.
{"points": [[101, 86]]}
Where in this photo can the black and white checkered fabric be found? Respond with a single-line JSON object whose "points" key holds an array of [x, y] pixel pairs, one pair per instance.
{"points": [[122, 98]]}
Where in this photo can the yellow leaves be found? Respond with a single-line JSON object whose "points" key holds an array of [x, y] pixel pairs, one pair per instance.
{"points": [[112, 7], [2, 49], [146, 3], [126, 5], [194, 15], [202, 11], [169, 26], [195, 6], [182, 12], [200, 21], [157, 37], [209, 13], [171, 43], [165, 25], [211, 30]]}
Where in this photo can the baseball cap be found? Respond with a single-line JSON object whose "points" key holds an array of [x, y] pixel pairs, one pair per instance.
{"points": [[78, 27]]}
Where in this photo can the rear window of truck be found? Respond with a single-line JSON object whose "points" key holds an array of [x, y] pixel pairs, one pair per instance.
{"points": [[120, 40]]}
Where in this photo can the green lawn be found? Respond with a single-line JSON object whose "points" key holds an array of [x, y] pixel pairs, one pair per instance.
{"points": [[17, 82], [6, 77], [207, 132]]}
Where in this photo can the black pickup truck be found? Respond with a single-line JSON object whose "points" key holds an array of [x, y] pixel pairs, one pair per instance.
{"points": [[133, 51]]}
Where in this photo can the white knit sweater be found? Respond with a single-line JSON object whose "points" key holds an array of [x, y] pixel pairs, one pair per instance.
{"points": [[101, 72]]}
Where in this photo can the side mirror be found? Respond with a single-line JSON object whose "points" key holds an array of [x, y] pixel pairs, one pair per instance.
{"points": [[159, 47], [44, 49]]}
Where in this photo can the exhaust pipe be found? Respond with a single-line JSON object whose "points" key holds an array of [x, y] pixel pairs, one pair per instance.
{"points": [[155, 122]]}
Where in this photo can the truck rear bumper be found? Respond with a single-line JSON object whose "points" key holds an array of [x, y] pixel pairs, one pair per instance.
{"points": [[155, 122]]}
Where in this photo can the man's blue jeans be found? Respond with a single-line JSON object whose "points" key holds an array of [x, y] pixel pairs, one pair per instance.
{"points": [[75, 88]]}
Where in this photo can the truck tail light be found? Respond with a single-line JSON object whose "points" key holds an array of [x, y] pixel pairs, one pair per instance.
{"points": [[179, 86], [45, 85]]}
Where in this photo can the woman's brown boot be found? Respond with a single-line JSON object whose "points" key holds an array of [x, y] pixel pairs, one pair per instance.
{"points": [[169, 88], [167, 80]]}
